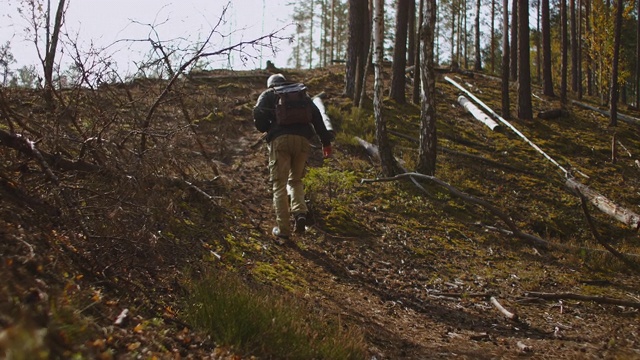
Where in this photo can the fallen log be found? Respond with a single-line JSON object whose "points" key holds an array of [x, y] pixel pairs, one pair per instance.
{"points": [[625, 118], [550, 114], [477, 113], [605, 205], [572, 296], [506, 123]]}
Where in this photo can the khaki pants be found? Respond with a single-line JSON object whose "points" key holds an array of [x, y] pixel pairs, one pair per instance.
{"points": [[288, 156]]}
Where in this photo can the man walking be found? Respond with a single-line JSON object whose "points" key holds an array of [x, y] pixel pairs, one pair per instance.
{"points": [[290, 118]]}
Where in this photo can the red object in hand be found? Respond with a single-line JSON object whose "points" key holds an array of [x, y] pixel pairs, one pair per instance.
{"points": [[326, 151]]}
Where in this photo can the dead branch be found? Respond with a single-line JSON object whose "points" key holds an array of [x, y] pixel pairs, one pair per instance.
{"points": [[466, 197], [505, 312], [24, 145], [562, 246], [572, 296]]}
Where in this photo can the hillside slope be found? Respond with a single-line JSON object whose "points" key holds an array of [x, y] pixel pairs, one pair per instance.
{"points": [[415, 272]]}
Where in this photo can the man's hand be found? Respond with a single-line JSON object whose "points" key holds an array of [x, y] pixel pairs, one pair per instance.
{"points": [[326, 151]]}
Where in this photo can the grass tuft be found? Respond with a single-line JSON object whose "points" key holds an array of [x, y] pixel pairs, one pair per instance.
{"points": [[260, 322]]}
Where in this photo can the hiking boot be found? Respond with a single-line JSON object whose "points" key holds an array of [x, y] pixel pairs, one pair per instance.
{"points": [[301, 222], [280, 238]]}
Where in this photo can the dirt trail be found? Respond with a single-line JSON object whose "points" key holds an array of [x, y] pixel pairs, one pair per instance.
{"points": [[378, 284]]}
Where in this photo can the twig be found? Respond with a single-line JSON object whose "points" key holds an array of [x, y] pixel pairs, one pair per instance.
{"points": [[572, 296]]}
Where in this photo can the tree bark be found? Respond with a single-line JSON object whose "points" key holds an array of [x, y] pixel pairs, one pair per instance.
{"points": [[478, 63], [574, 46], [613, 110], [357, 30], [417, 63], [547, 75], [513, 57], [398, 79], [506, 103], [428, 138], [564, 48], [50, 52], [386, 156], [525, 111], [605, 205]]}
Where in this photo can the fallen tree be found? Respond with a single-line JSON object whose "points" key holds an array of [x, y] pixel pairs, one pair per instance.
{"points": [[625, 118], [477, 113]]}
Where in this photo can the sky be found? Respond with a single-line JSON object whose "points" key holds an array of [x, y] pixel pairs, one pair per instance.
{"points": [[115, 25]]}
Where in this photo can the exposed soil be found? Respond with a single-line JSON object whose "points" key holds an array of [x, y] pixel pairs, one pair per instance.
{"points": [[414, 272]]}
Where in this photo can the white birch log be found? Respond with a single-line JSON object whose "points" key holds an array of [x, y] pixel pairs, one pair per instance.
{"points": [[605, 205], [506, 123], [323, 111], [477, 113]]}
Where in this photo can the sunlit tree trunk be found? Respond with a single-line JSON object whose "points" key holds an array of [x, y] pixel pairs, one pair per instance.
{"points": [[356, 54], [493, 34], [637, 84], [428, 139], [505, 62], [613, 106], [418, 66], [386, 156], [538, 45], [564, 48], [589, 58], [524, 63], [514, 41], [574, 46], [579, 54], [547, 75]]}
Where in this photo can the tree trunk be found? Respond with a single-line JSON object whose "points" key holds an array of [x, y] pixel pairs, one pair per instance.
{"points": [[417, 68], [411, 34], [505, 61], [428, 139], [454, 63], [493, 33], [50, 52], [614, 66], [538, 45], [513, 66], [357, 30], [525, 111], [563, 39], [547, 77], [637, 83], [579, 54], [574, 47], [589, 59], [386, 155], [478, 63], [398, 81]]}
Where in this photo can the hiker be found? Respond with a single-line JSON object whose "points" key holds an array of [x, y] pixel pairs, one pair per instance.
{"points": [[290, 118]]}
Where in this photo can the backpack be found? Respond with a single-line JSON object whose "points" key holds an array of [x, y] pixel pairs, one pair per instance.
{"points": [[293, 105]]}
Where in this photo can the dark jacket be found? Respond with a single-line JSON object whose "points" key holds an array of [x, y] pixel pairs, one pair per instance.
{"points": [[264, 118]]}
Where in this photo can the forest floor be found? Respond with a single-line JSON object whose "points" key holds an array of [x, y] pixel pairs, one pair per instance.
{"points": [[417, 273]]}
